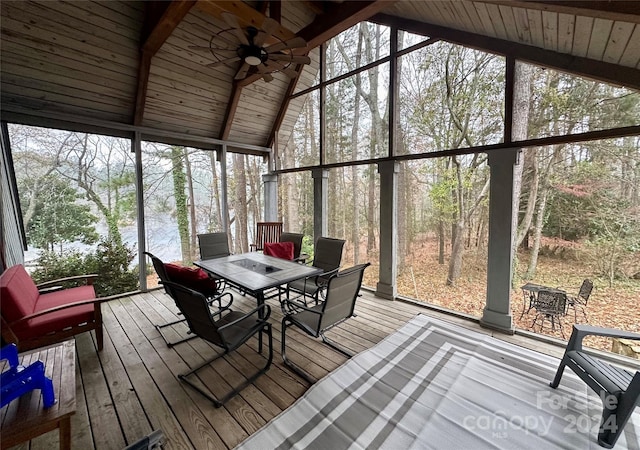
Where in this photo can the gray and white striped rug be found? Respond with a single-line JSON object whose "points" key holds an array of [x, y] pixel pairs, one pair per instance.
{"points": [[436, 385]]}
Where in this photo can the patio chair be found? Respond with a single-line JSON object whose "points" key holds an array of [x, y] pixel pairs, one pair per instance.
{"points": [[339, 305], [266, 232], [296, 238], [327, 256], [229, 332], [551, 305], [193, 278], [214, 245], [618, 388], [580, 300]]}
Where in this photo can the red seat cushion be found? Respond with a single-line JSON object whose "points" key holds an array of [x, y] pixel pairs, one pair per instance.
{"points": [[18, 293], [193, 278], [282, 250], [58, 320]]}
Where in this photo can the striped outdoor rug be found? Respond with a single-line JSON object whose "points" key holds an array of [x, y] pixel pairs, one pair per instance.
{"points": [[436, 385]]}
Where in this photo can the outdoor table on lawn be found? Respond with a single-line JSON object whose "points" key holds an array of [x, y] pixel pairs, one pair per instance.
{"points": [[530, 294], [255, 272], [25, 417]]}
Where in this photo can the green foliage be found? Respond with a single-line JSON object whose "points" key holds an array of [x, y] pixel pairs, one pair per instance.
{"points": [[110, 261], [57, 218]]}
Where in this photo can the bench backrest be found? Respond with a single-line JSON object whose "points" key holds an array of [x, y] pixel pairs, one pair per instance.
{"points": [[18, 293]]}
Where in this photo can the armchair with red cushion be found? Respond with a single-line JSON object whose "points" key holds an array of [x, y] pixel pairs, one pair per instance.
{"points": [[35, 315]]}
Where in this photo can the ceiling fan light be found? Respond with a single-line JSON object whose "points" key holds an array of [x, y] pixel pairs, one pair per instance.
{"points": [[253, 55], [252, 60]]}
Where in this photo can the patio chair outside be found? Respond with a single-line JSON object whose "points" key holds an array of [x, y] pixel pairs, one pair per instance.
{"points": [[580, 300], [551, 305], [339, 305], [266, 232], [233, 329], [211, 294], [618, 388], [327, 256]]}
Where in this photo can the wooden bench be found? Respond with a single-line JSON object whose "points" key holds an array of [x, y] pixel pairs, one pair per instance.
{"points": [[25, 417]]}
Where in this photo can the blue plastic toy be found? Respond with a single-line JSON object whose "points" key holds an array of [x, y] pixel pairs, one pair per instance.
{"points": [[19, 380]]}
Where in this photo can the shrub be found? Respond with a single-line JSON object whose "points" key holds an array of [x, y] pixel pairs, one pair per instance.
{"points": [[110, 261]]}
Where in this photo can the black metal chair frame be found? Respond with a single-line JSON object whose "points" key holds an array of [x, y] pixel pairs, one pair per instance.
{"points": [[550, 305], [315, 286], [580, 300], [232, 330], [618, 388], [332, 312], [158, 265]]}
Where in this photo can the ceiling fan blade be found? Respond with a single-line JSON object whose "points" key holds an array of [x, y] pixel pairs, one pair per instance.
{"points": [[224, 62], [301, 59], [268, 27], [296, 42], [242, 72], [232, 21], [199, 48], [227, 51], [266, 75]]}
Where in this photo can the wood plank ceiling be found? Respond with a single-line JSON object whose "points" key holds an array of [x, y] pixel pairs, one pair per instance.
{"points": [[126, 62]]}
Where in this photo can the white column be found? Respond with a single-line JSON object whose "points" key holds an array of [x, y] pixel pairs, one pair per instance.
{"points": [[497, 311], [386, 287], [270, 197], [320, 205]]}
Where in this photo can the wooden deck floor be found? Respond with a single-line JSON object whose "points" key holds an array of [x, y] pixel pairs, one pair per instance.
{"points": [[130, 388]]}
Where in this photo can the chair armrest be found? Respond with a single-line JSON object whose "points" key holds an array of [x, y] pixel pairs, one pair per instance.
{"points": [[95, 301], [88, 278], [580, 331], [299, 306], [250, 313]]}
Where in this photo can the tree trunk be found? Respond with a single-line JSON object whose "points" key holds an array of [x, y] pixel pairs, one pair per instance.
{"points": [[192, 207], [240, 203], [179, 184], [215, 188]]}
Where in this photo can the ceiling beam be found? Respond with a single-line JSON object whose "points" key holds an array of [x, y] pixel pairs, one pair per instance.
{"points": [[623, 10], [246, 15], [590, 68], [337, 18], [283, 106], [230, 113], [157, 30]]}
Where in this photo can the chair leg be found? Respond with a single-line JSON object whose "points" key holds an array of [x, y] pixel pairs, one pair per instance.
{"points": [[556, 380], [180, 341], [297, 369], [334, 345], [236, 390]]}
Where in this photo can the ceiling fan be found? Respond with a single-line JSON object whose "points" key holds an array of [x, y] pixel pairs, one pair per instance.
{"points": [[248, 45]]}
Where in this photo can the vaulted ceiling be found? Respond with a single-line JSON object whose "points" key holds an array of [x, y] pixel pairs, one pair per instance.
{"points": [[133, 65]]}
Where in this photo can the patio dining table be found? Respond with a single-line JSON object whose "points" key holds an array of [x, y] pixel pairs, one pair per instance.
{"points": [[255, 272]]}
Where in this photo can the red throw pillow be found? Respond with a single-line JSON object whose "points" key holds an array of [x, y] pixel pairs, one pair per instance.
{"points": [[282, 250], [193, 278]]}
